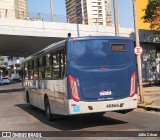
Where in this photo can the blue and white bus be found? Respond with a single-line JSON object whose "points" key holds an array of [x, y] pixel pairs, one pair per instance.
{"points": [[82, 75]]}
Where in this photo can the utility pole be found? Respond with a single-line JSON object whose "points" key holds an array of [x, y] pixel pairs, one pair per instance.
{"points": [[138, 56], [116, 18], [52, 14], [82, 12], [97, 13]]}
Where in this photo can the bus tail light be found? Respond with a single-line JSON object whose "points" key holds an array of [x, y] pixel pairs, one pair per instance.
{"points": [[74, 89], [133, 85]]}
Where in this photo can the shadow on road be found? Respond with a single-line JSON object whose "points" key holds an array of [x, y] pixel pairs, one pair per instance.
{"points": [[151, 85], [71, 122], [11, 87], [10, 90], [11, 83]]}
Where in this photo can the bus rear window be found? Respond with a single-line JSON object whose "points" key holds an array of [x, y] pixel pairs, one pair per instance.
{"points": [[93, 53], [118, 47]]}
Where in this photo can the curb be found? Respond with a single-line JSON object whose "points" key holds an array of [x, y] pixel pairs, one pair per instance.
{"points": [[149, 108]]}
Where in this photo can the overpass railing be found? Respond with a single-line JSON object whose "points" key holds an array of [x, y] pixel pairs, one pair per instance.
{"points": [[35, 16]]}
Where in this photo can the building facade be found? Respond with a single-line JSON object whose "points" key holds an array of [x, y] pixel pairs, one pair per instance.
{"points": [[91, 12], [17, 9], [141, 5]]}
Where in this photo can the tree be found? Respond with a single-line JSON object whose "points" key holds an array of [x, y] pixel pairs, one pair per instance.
{"points": [[152, 14]]}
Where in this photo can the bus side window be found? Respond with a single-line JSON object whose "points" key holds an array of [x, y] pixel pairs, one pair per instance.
{"points": [[59, 64], [41, 67], [48, 73], [55, 68], [29, 70], [63, 63], [36, 70], [48, 56], [48, 67], [32, 69], [23, 71], [41, 73], [26, 70]]}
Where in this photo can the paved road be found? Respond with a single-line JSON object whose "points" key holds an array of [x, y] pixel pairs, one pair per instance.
{"points": [[15, 115]]}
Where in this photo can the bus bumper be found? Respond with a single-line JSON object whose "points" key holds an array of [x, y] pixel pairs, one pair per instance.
{"points": [[102, 106]]}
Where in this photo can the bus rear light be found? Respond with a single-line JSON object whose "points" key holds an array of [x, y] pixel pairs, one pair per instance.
{"points": [[127, 38], [74, 89], [133, 85], [103, 68], [74, 38]]}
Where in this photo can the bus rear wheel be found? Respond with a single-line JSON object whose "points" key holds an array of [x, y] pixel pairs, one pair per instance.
{"points": [[48, 110]]}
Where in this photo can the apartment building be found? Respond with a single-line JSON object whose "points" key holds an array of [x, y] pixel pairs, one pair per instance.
{"points": [[91, 12], [13, 9]]}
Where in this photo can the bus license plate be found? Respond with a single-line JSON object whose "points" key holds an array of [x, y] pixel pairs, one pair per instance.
{"points": [[103, 93]]}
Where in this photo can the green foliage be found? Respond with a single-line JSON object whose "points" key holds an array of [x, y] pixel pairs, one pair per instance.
{"points": [[152, 14]]}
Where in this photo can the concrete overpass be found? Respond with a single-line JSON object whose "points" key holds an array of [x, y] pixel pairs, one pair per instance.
{"points": [[24, 37]]}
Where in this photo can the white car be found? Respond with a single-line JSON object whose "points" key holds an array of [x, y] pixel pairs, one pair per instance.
{"points": [[4, 80], [15, 77]]}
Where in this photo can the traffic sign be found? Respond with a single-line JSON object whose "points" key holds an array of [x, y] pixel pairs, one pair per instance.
{"points": [[138, 50]]}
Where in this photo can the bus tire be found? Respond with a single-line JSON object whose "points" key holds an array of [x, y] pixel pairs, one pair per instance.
{"points": [[48, 110]]}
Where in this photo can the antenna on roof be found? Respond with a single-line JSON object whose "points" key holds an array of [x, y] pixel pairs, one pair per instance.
{"points": [[69, 35]]}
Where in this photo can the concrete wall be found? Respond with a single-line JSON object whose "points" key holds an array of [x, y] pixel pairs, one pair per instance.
{"points": [[53, 29], [27, 37]]}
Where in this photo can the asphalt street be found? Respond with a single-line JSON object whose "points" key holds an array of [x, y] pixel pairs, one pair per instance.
{"points": [[16, 115]]}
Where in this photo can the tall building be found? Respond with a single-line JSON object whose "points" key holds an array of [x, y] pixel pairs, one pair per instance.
{"points": [[141, 5], [13, 9], [91, 12]]}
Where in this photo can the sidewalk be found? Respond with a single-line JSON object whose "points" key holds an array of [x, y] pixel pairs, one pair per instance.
{"points": [[151, 97]]}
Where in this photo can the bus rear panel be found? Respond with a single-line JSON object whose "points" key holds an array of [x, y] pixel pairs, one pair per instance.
{"points": [[82, 75], [101, 74]]}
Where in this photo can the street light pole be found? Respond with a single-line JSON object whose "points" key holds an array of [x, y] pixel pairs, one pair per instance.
{"points": [[52, 14], [138, 56], [82, 12], [116, 18]]}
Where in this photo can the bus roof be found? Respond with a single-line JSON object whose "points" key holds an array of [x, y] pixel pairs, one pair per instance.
{"points": [[101, 37], [60, 43], [47, 49]]}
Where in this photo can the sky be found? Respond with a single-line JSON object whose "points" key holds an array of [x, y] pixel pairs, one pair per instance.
{"points": [[125, 10]]}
